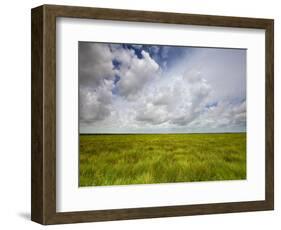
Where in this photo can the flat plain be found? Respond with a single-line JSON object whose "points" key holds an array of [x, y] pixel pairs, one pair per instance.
{"points": [[123, 159]]}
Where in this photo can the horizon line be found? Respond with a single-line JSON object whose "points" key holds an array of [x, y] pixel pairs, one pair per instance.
{"points": [[160, 133]]}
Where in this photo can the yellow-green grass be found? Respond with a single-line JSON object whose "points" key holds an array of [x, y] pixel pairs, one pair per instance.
{"points": [[161, 158]]}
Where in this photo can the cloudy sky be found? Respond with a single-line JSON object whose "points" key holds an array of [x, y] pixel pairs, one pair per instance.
{"points": [[125, 88]]}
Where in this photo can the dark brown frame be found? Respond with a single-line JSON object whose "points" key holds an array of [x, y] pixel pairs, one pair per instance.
{"points": [[43, 160]]}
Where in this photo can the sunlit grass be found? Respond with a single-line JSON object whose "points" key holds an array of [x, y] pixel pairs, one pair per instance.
{"points": [[161, 158]]}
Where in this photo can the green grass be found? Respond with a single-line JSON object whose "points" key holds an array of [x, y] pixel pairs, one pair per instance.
{"points": [[161, 158]]}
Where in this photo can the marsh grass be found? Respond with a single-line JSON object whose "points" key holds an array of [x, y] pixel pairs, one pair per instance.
{"points": [[161, 158]]}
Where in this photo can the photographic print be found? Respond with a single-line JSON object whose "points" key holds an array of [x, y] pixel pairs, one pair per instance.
{"points": [[127, 105], [161, 114]]}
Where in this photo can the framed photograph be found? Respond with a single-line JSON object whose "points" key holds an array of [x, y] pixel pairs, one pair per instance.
{"points": [[141, 114]]}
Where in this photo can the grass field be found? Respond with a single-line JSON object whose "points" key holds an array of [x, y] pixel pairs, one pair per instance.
{"points": [[161, 158]]}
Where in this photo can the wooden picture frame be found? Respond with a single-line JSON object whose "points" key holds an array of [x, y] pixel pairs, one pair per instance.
{"points": [[43, 188]]}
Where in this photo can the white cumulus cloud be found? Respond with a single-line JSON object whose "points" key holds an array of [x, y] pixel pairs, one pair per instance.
{"points": [[122, 91]]}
